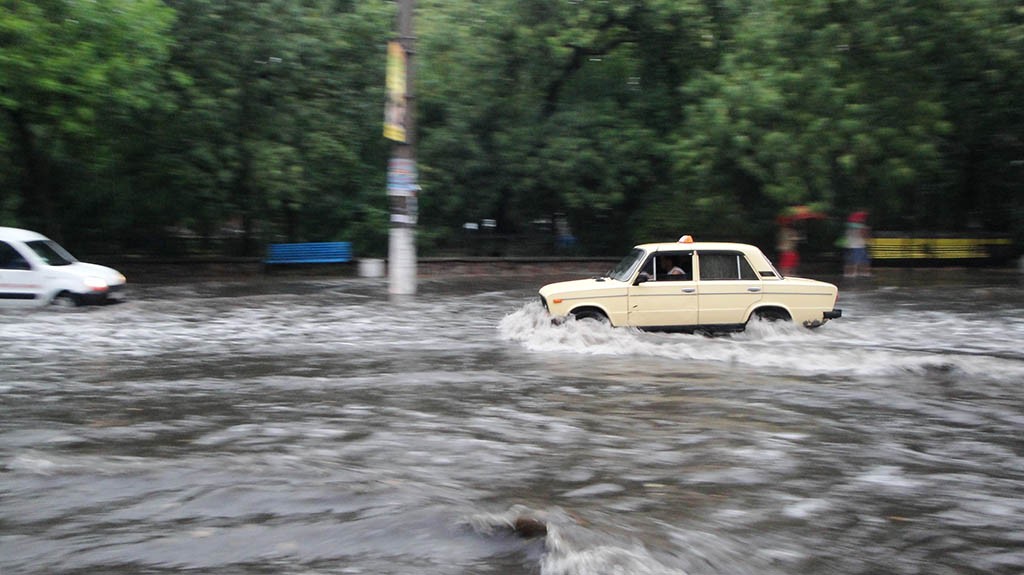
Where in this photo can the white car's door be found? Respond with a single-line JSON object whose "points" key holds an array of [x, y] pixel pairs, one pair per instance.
{"points": [[20, 284], [728, 287]]}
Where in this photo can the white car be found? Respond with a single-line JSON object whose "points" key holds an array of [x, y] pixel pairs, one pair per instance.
{"points": [[693, 286], [35, 270]]}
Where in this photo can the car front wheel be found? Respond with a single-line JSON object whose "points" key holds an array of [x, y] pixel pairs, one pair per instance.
{"points": [[590, 314], [65, 299]]}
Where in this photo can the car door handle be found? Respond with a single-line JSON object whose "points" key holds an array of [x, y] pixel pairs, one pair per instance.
{"points": [[689, 290], [753, 289]]}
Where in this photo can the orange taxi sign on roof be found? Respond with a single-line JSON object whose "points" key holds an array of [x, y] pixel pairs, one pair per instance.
{"points": [[687, 239]]}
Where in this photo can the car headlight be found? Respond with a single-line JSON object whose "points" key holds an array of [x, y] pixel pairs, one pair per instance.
{"points": [[95, 283]]}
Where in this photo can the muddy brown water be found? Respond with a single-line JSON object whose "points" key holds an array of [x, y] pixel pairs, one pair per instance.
{"points": [[304, 425]]}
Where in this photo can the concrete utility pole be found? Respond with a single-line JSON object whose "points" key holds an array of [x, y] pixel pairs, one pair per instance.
{"points": [[400, 126]]}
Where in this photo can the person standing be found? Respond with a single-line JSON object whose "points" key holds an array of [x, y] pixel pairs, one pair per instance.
{"points": [[858, 262], [786, 247]]}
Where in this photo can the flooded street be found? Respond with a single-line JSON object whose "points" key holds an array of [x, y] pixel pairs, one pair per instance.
{"points": [[312, 426]]}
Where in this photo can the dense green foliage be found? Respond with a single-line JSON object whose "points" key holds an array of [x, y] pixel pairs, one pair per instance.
{"points": [[201, 125]]}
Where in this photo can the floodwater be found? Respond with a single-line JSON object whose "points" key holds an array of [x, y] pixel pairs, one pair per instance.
{"points": [[313, 426]]}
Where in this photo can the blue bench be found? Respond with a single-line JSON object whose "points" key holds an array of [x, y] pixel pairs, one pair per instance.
{"points": [[309, 253]]}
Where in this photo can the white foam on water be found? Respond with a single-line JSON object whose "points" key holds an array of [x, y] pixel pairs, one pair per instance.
{"points": [[571, 548], [913, 345]]}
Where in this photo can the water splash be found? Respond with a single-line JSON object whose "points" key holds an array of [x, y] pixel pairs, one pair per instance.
{"points": [[881, 347], [572, 548]]}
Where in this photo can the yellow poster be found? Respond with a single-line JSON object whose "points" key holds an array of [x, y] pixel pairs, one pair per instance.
{"points": [[395, 109]]}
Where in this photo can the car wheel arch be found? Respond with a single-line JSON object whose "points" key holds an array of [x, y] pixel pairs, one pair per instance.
{"points": [[771, 312], [590, 311], [66, 298]]}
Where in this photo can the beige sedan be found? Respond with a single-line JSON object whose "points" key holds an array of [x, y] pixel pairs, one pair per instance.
{"points": [[693, 286]]}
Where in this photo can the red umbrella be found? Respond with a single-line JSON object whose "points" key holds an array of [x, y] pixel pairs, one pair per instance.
{"points": [[800, 213], [804, 213]]}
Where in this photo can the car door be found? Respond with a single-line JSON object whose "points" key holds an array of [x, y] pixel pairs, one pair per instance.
{"points": [[659, 299], [728, 287], [19, 283]]}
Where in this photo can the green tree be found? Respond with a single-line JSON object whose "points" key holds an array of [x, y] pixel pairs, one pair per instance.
{"points": [[535, 108], [276, 133], [636, 120], [856, 104], [65, 67]]}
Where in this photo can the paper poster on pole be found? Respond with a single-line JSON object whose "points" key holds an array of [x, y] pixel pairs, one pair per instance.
{"points": [[403, 190], [402, 177], [395, 108]]}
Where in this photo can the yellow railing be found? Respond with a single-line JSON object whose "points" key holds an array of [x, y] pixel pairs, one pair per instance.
{"points": [[934, 248]]}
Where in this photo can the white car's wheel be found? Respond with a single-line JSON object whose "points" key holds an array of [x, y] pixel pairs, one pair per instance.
{"points": [[65, 299]]}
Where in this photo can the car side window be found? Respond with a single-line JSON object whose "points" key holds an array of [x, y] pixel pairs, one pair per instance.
{"points": [[668, 266], [725, 266], [10, 259], [647, 272], [675, 266]]}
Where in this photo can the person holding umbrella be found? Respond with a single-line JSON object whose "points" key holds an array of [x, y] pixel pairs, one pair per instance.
{"points": [[789, 237], [786, 246]]}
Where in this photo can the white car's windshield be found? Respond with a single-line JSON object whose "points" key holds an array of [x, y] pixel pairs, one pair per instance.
{"points": [[51, 252], [624, 269]]}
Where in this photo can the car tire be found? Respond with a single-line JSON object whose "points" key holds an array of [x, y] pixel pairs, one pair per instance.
{"points": [[590, 314], [65, 299], [772, 315]]}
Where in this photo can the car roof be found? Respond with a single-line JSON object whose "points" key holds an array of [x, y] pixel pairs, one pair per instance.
{"points": [[20, 235], [760, 261], [676, 246]]}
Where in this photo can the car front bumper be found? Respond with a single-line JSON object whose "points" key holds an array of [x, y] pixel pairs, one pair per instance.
{"points": [[113, 294]]}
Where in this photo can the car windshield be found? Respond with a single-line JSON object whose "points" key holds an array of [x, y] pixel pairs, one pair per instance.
{"points": [[624, 269], [51, 252]]}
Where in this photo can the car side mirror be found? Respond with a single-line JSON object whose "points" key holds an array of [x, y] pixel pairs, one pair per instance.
{"points": [[642, 278]]}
